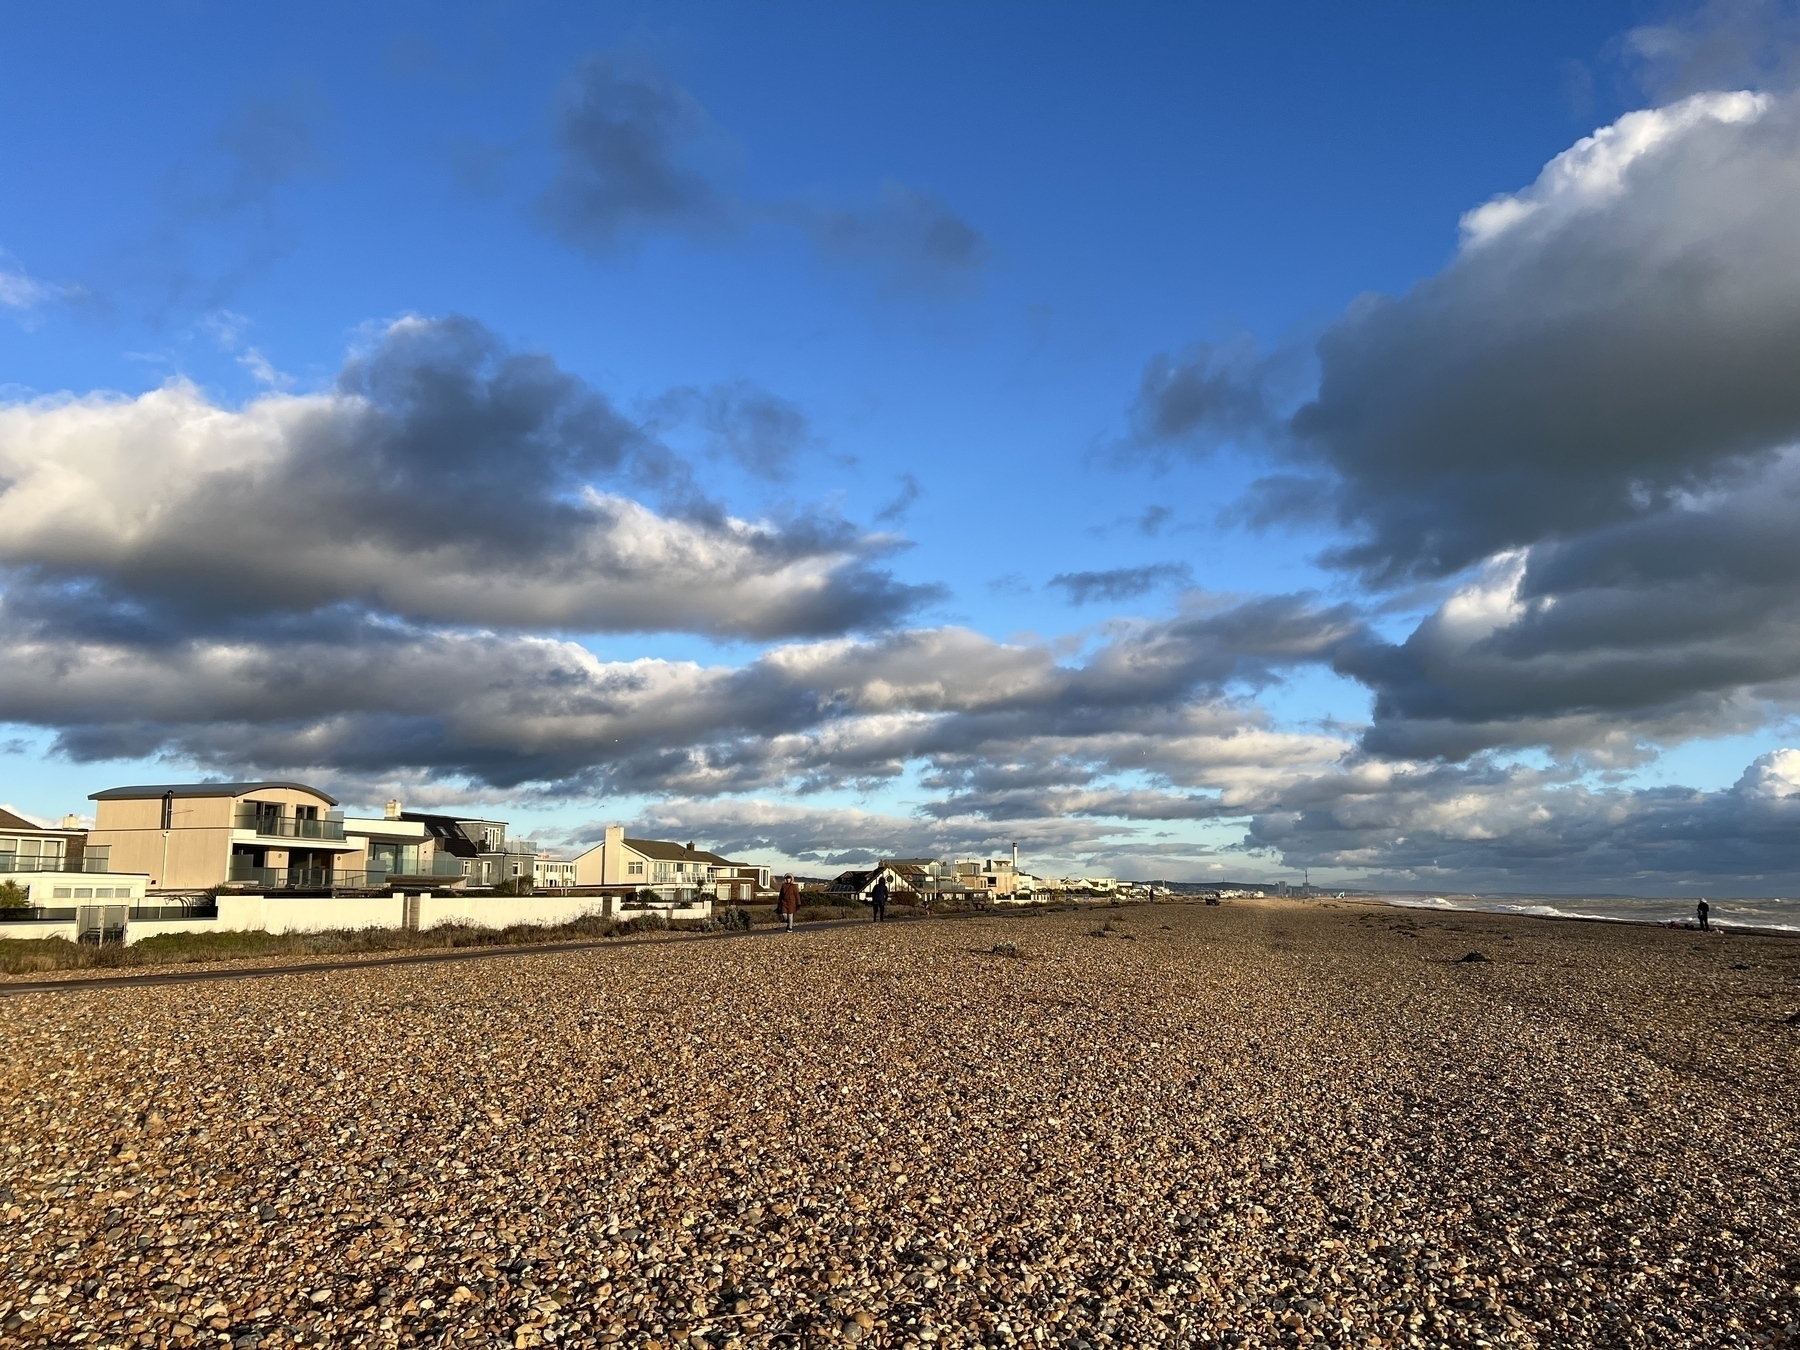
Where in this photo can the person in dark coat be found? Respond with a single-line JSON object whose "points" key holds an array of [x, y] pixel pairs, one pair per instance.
{"points": [[788, 904], [1701, 910], [878, 899]]}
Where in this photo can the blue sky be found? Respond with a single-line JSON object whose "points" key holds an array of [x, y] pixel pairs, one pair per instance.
{"points": [[244, 199]]}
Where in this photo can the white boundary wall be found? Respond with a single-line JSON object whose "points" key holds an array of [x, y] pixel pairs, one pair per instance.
{"points": [[56, 928], [303, 914], [503, 911], [311, 914]]}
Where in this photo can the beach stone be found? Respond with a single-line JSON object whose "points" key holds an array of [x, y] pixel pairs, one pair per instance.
{"points": [[1475, 956], [888, 1137]]}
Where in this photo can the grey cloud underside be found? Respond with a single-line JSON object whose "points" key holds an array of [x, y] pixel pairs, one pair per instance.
{"points": [[1578, 368], [444, 480]]}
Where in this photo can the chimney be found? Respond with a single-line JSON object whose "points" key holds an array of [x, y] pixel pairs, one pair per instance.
{"points": [[612, 858], [393, 808], [70, 823], [1015, 855]]}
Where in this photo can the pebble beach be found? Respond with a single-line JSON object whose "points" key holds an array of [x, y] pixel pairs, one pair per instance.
{"points": [[1275, 1123]]}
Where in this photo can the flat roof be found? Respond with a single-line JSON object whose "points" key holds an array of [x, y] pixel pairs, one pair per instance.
{"points": [[121, 794]]}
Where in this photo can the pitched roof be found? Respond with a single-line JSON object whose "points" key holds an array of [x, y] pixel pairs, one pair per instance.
{"points": [[667, 852], [121, 794], [8, 821]]}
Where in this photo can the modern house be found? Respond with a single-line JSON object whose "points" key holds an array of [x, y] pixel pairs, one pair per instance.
{"points": [[551, 872], [655, 864], [268, 836], [998, 877], [58, 870], [484, 856], [194, 836], [25, 847]]}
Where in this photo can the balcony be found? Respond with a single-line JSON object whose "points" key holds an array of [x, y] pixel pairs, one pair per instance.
{"points": [[94, 860], [272, 826]]}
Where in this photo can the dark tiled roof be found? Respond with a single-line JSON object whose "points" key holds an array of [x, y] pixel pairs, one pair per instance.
{"points": [[667, 852], [122, 794]]}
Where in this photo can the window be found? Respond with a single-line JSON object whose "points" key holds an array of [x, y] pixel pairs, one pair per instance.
{"points": [[61, 893], [84, 892], [635, 869], [103, 892]]}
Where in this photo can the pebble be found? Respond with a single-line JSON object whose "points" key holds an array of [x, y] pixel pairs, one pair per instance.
{"points": [[1247, 1125]]}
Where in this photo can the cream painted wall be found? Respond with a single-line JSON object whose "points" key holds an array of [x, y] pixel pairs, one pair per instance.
{"points": [[198, 852]]}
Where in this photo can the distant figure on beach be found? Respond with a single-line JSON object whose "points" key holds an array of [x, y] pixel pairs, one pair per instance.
{"points": [[878, 899], [788, 904], [1701, 910]]}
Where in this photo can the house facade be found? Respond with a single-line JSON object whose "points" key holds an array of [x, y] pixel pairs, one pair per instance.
{"points": [[193, 836], [274, 835], [552, 873], [27, 848], [860, 885], [656, 864]]}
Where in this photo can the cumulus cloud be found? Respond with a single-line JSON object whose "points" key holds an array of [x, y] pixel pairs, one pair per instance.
{"points": [[1120, 583], [444, 479], [1514, 829], [1584, 424], [354, 695]]}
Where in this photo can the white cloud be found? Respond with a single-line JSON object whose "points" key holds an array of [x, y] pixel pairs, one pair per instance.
{"points": [[1591, 173], [456, 484]]}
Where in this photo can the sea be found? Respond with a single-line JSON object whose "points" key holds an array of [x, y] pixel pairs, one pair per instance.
{"points": [[1781, 915]]}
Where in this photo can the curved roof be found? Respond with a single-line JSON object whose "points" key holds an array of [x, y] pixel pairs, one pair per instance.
{"points": [[120, 794]]}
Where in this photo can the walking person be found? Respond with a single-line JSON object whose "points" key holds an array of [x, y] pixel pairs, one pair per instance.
{"points": [[788, 904], [878, 899], [1701, 910]]}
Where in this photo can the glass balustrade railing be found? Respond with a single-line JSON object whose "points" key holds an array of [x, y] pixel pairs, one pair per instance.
{"points": [[272, 826]]}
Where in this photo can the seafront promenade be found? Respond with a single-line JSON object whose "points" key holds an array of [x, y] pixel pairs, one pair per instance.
{"points": [[1250, 1124]]}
